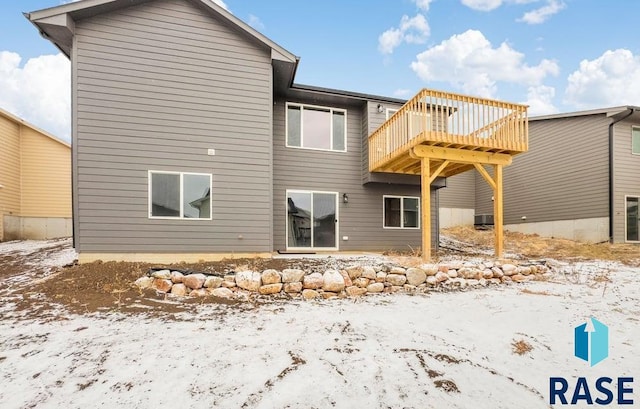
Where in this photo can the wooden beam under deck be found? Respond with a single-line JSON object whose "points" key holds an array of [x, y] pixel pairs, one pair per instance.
{"points": [[461, 155]]}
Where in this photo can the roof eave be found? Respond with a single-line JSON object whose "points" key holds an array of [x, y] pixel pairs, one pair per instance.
{"points": [[608, 112], [348, 94], [21, 121], [56, 24]]}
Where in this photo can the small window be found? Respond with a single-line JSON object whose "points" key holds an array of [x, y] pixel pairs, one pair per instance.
{"points": [[401, 212], [635, 141], [320, 128], [177, 195]]}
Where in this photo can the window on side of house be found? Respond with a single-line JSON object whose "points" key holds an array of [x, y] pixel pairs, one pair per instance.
{"points": [[635, 141], [314, 127], [179, 195], [401, 212]]}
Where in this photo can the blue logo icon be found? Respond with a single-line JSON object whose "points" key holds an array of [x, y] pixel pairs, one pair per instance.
{"points": [[592, 341]]}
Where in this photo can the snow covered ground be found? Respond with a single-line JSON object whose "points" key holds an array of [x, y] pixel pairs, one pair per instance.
{"points": [[441, 350]]}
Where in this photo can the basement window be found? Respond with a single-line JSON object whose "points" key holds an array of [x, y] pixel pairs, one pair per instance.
{"points": [[179, 195], [401, 212], [315, 127]]}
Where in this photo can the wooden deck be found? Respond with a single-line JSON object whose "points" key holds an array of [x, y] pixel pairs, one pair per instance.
{"points": [[442, 134], [453, 123]]}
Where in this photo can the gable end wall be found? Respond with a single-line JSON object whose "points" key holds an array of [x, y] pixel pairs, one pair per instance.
{"points": [[154, 87]]}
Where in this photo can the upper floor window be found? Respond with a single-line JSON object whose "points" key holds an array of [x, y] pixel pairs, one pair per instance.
{"points": [[314, 127], [635, 141], [179, 195]]}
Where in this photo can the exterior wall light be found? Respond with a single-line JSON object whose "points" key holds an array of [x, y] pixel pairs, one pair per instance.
{"points": [[345, 198], [380, 108]]}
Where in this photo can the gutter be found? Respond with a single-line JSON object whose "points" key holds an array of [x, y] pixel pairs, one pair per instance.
{"points": [[611, 198]]}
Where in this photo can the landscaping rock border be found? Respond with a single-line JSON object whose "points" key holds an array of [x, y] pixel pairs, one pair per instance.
{"points": [[352, 281]]}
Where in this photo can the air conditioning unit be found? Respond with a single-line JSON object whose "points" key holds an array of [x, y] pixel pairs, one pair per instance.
{"points": [[483, 220]]}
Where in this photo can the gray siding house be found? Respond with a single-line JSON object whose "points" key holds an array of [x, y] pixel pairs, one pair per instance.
{"points": [[580, 178], [190, 137]]}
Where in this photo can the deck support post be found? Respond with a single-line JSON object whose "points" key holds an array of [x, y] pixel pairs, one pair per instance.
{"points": [[498, 219], [425, 186]]}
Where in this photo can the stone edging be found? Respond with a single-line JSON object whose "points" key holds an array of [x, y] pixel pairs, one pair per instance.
{"points": [[352, 281]]}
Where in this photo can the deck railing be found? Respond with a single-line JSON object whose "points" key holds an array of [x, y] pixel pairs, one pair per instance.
{"points": [[450, 120]]}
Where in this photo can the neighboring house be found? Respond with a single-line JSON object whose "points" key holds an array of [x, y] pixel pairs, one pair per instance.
{"points": [[579, 180], [35, 182], [458, 201], [173, 98]]}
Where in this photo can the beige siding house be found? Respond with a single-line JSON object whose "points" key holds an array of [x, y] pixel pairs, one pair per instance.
{"points": [[35, 182]]}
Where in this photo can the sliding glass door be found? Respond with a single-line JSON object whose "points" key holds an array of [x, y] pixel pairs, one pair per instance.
{"points": [[312, 220]]}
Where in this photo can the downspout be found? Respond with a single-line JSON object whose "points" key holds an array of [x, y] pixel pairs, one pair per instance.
{"points": [[611, 198]]}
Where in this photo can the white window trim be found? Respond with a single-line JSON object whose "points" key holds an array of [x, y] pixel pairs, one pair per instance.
{"points": [[302, 107], [286, 221], [637, 128], [181, 174], [626, 217], [401, 212]]}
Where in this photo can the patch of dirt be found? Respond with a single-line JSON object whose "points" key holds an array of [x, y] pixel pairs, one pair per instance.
{"points": [[521, 347], [16, 263], [446, 358], [446, 385], [534, 246], [102, 286]]}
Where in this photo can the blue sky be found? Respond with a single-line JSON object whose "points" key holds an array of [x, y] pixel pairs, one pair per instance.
{"points": [[555, 55]]}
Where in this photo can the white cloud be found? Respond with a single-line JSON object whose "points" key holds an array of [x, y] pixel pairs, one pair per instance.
{"points": [[540, 15], [540, 100], [423, 4], [482, 5], [389, 40], [536, 16], [611, 79], [414, 30], [488, 5], [468, 61], [39, 91], [255, 22]]}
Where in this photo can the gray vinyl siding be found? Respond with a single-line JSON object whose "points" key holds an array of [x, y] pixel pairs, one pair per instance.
{"points": [[626, 176], [563, 176], [460, 192], [155, 86], [361, 219], [373, 121]]}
